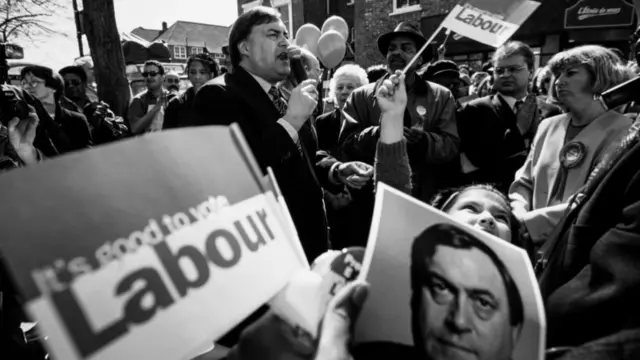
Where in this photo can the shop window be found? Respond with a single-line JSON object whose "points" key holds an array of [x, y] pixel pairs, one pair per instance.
{"points": [[179, 52], [405, 6]]}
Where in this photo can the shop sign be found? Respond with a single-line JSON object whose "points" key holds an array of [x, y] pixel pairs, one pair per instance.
{"points": [[598, 14]]}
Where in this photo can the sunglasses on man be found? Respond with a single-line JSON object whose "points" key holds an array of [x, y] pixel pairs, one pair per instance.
{"points": [[150, 74]]}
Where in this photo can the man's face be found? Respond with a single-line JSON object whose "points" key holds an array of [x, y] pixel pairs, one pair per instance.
{"points": [[172, 82], [464, 312], [73, 86], [400, 52], [314, 71], [153, 78], [511, 75], [265, 50]]}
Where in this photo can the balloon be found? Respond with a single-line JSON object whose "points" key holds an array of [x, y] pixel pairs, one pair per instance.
{"points": [[307, 37], [331, 48], [338, 24]]}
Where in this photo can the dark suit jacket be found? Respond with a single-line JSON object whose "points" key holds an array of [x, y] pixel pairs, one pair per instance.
{"points": [[237, 97], [591, 281], [328, 127], [180, 112], [492, 142]]}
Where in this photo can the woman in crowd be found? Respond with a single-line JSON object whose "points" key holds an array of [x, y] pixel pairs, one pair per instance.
{"points": [[567, 147], [349, 211], [48, 87], [179, 113], [481, 206], [346, 79]]}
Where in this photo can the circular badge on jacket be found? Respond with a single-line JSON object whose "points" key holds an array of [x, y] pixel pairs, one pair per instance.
{"points": [[572, 154]]}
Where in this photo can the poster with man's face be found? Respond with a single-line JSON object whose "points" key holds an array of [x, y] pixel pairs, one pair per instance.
{"points": [[443, 290]]}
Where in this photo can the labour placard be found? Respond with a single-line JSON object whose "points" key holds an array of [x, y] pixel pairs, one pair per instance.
{"points": [[491, 22], [144, 249]]}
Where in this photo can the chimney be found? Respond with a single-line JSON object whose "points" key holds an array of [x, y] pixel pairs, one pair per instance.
{"points": [[164, 27]]}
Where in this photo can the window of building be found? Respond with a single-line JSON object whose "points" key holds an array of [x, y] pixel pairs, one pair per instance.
{"points": [[405, 6], [196, 50], [284, 8], [179, 52]]}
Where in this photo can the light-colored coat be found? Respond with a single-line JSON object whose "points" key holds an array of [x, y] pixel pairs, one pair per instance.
{"points": [[530, 193]]}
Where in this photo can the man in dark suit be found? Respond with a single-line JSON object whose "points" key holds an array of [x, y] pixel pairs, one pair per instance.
{"points": [[589, 272], [496, 131], [260, 56]]}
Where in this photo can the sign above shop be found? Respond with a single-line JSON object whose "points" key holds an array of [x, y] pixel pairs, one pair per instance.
{"points": [[598, 14]]}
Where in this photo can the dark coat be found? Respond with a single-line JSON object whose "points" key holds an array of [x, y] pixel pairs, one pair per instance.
{"points": [[590, 273], [492, 142], [181, 110], [430, 113], [328, 127], [237, 97]]}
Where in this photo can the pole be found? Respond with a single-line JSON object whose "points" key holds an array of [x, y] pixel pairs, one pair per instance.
{"points": [[4, 66], [79, 29], [424, 47]]}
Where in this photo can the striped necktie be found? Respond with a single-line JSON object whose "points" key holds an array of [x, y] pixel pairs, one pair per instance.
{"points": [[277, 100]]}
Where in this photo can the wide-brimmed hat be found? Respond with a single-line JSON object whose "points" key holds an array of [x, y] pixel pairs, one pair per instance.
{"points": [[442, 67], [403, 29]]}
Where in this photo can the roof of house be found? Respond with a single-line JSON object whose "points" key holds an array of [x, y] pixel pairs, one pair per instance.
{"points": [[196, 34], [147, 34], [133, 37]]}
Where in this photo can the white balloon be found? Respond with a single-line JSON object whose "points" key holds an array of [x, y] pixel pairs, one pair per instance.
{"points": [[338, 24], [331, 48]]}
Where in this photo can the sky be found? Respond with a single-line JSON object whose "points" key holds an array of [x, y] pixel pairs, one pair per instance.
{"points": [[57, 51]]}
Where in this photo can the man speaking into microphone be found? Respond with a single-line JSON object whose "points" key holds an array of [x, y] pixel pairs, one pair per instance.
{"points": [[261, 58]]}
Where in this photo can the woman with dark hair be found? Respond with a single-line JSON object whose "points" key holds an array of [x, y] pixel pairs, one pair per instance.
{"points": [[180, 111], [48, 87]]}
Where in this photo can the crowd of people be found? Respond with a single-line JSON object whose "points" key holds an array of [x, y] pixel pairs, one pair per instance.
{"points": [[531, 156]]}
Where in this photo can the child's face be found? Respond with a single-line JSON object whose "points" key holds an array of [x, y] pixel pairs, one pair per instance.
{"points": [[485, 210]]}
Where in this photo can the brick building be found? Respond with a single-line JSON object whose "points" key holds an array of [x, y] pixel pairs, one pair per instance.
{"points": [[555, 26]]}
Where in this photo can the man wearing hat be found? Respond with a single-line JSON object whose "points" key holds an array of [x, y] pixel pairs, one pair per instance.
{"points": [[429, 120]]}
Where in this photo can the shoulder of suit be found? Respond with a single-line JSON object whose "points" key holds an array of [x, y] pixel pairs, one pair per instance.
{"points": [[220, 81], [437, 88], [551, 122], [486, 101]]}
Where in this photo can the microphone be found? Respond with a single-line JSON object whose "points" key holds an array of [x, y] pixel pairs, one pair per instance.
{"points": [[298, 72], [622, 94]]}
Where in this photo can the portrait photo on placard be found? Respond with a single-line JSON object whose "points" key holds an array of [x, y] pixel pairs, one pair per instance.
{"points": [[443, 290]]}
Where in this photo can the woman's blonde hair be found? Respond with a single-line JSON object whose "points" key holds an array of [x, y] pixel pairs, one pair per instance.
{"points": [[604, 66], [347, 70]]}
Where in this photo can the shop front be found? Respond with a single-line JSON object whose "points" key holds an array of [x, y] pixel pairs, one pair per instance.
{"points": [[604, 22]]}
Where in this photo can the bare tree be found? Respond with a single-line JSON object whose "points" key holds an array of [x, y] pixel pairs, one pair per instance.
{"points": [[106, 51], [28, 18]]}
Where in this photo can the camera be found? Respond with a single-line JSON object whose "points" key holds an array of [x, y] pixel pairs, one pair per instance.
{"points": [[11, 105]]}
